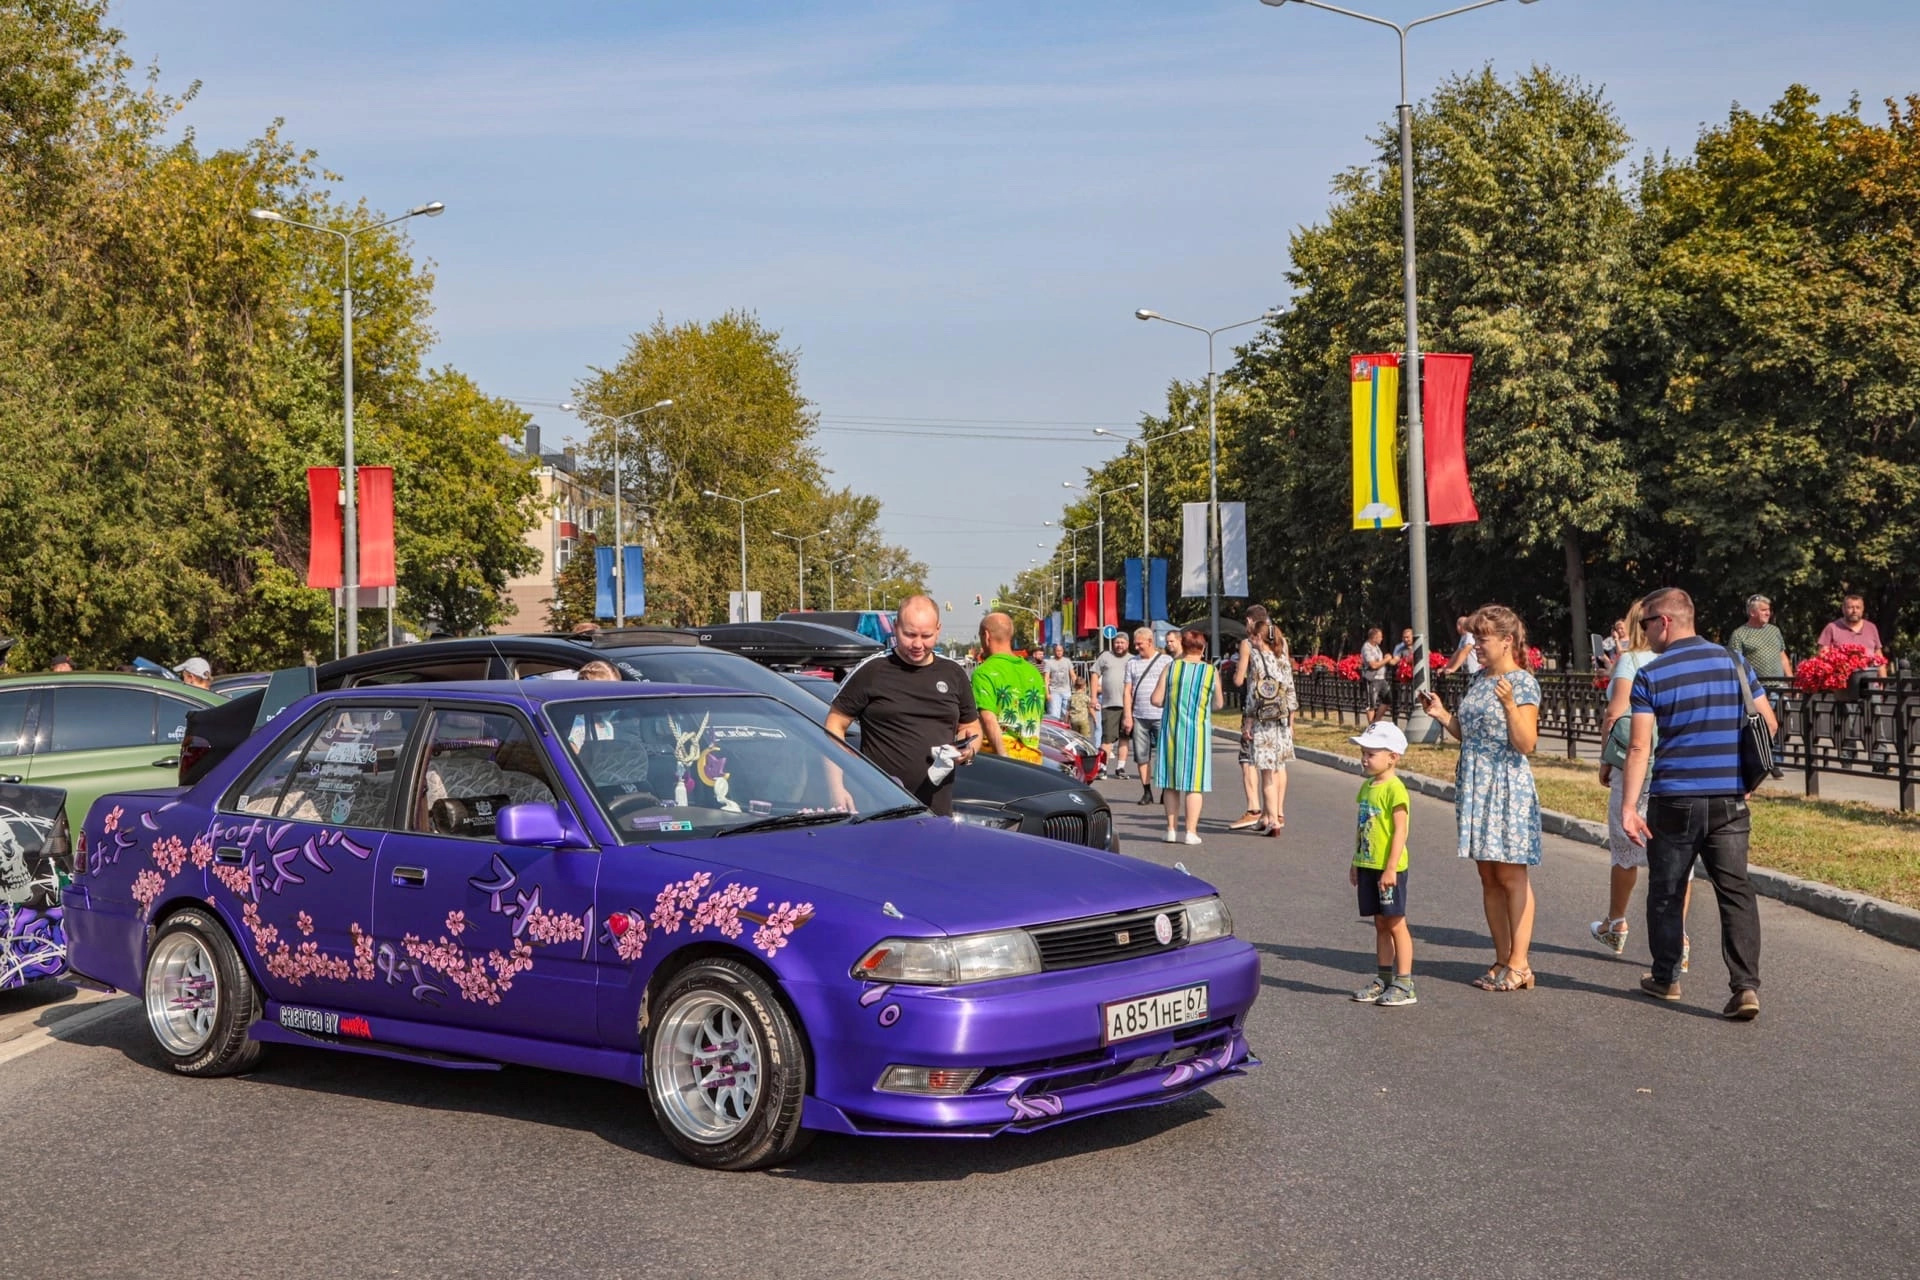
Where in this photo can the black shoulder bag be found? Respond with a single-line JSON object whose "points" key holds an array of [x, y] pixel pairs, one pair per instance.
{"points": [[1756, 743]]}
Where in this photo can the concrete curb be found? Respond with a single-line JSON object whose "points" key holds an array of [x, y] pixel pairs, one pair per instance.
{"points": [[1884, 920]]}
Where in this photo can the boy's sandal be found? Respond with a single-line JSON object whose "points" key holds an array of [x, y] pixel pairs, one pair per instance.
{"points": [[1492, 978], [1514, 980]]}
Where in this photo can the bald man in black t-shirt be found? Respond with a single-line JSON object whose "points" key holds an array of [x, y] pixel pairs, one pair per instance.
{"points": [[908, 701]]}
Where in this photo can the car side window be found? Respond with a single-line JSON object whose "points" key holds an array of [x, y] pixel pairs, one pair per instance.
{"points": [[170, 724], [13, 723], [96, 717], [342, 772], [477, 763]]}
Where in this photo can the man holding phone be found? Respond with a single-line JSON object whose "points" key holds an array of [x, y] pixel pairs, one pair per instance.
{"points": [[908, 701]]}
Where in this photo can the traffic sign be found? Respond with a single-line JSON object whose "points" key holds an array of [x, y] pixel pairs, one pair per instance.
{"points": [[1109, 631]]}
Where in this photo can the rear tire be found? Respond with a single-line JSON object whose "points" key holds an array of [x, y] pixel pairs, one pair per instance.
{"points": [[726, 1070], [199, 997]]}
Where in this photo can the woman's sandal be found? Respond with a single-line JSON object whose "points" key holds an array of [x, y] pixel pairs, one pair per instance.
{"points": [[1514, 980], [1492, 978]]}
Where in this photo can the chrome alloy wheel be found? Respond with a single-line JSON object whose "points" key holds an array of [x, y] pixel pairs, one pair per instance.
{"points": [[706, 1066], [183, 994]]}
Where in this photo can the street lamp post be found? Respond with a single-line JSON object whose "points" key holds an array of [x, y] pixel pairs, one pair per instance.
{"points": [[1213, 464], [831, 565], [619, 541], [1073, 542], [742, 504], [1420, 726], [799, 541], [350, 558], [868, 585], [1100, 552], [1146, 481]]}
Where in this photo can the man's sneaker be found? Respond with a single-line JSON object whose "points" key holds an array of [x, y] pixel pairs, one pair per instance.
{"points": [[1371, 993], [1686, 953], [1396, 995], [1744, 1007], [1604, 933], [1119, 771], [1660, 990]]}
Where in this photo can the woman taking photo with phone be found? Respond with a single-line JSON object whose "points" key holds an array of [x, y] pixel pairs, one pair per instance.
{"points": [[1498, 725]]}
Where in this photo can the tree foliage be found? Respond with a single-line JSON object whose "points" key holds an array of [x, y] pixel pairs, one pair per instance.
{"points": [[169, 369]]}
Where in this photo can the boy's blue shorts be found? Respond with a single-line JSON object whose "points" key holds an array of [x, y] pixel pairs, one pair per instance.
{"points": [[1372, 901]]}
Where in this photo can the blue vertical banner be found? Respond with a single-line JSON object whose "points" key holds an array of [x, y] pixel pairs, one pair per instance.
{"points": [[1157, 589], [634, 569], [1055, 632], [633, 572], [603, 582], [1134, 604]]}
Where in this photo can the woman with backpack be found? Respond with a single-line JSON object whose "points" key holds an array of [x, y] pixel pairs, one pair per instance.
{"points": [[1265, 676]]}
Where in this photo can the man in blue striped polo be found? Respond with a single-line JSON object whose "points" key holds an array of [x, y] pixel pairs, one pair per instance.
{"points": [[1696, 693]]}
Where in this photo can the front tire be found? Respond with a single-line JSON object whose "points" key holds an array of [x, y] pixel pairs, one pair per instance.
{"points": [[726, 1071], [200, 999]]}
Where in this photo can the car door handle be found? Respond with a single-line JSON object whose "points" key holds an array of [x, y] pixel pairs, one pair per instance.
{"points": [[229, 856], [11, 778], [413, 876], [171, 762]]}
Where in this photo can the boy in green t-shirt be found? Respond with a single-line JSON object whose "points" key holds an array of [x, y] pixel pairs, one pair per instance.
{"points": [[1379, 867]]}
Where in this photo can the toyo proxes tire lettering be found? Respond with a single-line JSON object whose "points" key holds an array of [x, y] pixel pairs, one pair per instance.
{"points": [[726, 1070], [199, 997]]}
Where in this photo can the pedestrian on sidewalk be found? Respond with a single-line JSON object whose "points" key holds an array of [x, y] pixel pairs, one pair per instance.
{"points": [[1696, 696], [1759, 641], [1851, 629], [1266, 725], [1189, 694], [1379, 869], [1374, 676], [1141, 716], [1498, 809], [1465, 654], [1080, 711], [1009, 693], [1110, 695], [1627, 857], [1059, 672], [1256, 619]]}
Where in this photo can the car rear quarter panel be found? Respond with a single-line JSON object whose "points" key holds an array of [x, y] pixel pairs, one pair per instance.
{"points": [[144, 851]]}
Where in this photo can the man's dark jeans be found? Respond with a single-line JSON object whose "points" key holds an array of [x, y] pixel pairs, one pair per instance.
{"points": [[1714, 829]]}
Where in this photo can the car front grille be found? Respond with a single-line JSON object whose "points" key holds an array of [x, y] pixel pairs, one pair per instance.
{"points": [[1070, 827], [1104, 939]]}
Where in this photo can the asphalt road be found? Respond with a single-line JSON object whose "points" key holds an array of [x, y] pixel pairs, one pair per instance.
{"points": [[1575, 1130]]}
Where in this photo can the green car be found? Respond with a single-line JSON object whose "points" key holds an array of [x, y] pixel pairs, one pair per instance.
{"points": [[92, 733]]}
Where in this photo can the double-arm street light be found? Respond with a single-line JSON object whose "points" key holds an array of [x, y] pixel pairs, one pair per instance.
{"points": [[619, 543], [868, 585], [1213, 466], [799, 541], [350, 558], [1100, 549], [1421, 727], [742, 503], [1146, 479]]}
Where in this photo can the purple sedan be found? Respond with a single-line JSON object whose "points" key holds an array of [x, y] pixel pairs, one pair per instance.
{"points": [[654, 887]]}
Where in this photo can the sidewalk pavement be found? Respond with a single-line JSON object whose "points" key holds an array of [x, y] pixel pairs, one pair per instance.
{"points": [[1885, 920]]}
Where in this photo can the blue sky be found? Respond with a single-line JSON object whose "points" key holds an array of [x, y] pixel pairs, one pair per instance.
{"points": [[952, 210]]}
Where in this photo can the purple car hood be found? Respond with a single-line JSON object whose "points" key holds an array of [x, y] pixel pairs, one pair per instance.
{"points": [[958, 878]]}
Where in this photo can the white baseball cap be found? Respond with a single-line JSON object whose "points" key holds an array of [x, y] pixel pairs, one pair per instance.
{"points": [[1382, 735], [195, 667]]}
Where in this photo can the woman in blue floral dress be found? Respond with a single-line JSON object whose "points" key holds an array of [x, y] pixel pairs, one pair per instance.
{"points": [[1497, 808]]}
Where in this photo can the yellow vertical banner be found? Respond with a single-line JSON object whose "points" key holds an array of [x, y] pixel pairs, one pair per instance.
{"points": [[1376, 479]]}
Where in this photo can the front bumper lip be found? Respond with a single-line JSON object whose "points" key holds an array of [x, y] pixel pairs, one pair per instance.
{"points": [[1036, 1039]]}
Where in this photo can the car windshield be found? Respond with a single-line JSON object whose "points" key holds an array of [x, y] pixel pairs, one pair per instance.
{"points": [[668, 767], [713, 667]]}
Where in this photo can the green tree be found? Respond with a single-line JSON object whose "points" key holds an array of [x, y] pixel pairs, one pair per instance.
{"points": [[1771, 364], [575, 589]]}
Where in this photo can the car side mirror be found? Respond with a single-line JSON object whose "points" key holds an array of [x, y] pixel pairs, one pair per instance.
{"points": [[538, 826]]}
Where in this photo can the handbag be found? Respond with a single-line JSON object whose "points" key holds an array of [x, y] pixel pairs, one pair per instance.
{"points": [[1756, 744]]}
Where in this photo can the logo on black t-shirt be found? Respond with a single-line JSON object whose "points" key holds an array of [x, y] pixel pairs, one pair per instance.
{"points": [[941, 685]]}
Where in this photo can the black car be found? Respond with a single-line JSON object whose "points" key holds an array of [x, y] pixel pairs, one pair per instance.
{"points": [[988, 792]]}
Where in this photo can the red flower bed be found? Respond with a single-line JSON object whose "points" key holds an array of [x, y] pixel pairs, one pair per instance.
{"points": [[1319, 662], [1830, 672], [1348, 668]]}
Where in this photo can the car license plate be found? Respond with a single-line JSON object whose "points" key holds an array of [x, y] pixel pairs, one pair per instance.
{"points": [[1144, 1015]]}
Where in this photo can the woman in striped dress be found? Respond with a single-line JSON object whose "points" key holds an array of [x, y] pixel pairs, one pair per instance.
{"points": [[1189, 693]]}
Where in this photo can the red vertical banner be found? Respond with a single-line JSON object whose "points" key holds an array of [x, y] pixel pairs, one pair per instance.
{"points": [[1099, 604], [324, 524], [1443, 406], [376, 526]]}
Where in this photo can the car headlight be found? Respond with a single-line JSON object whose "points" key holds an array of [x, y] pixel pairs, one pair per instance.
{"points": [[998, 819], [945, 962], [1207, 919]]}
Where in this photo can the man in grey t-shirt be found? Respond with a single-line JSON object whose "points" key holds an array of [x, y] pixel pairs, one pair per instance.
{"points": [[1110, 687], [1059, 673]]}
